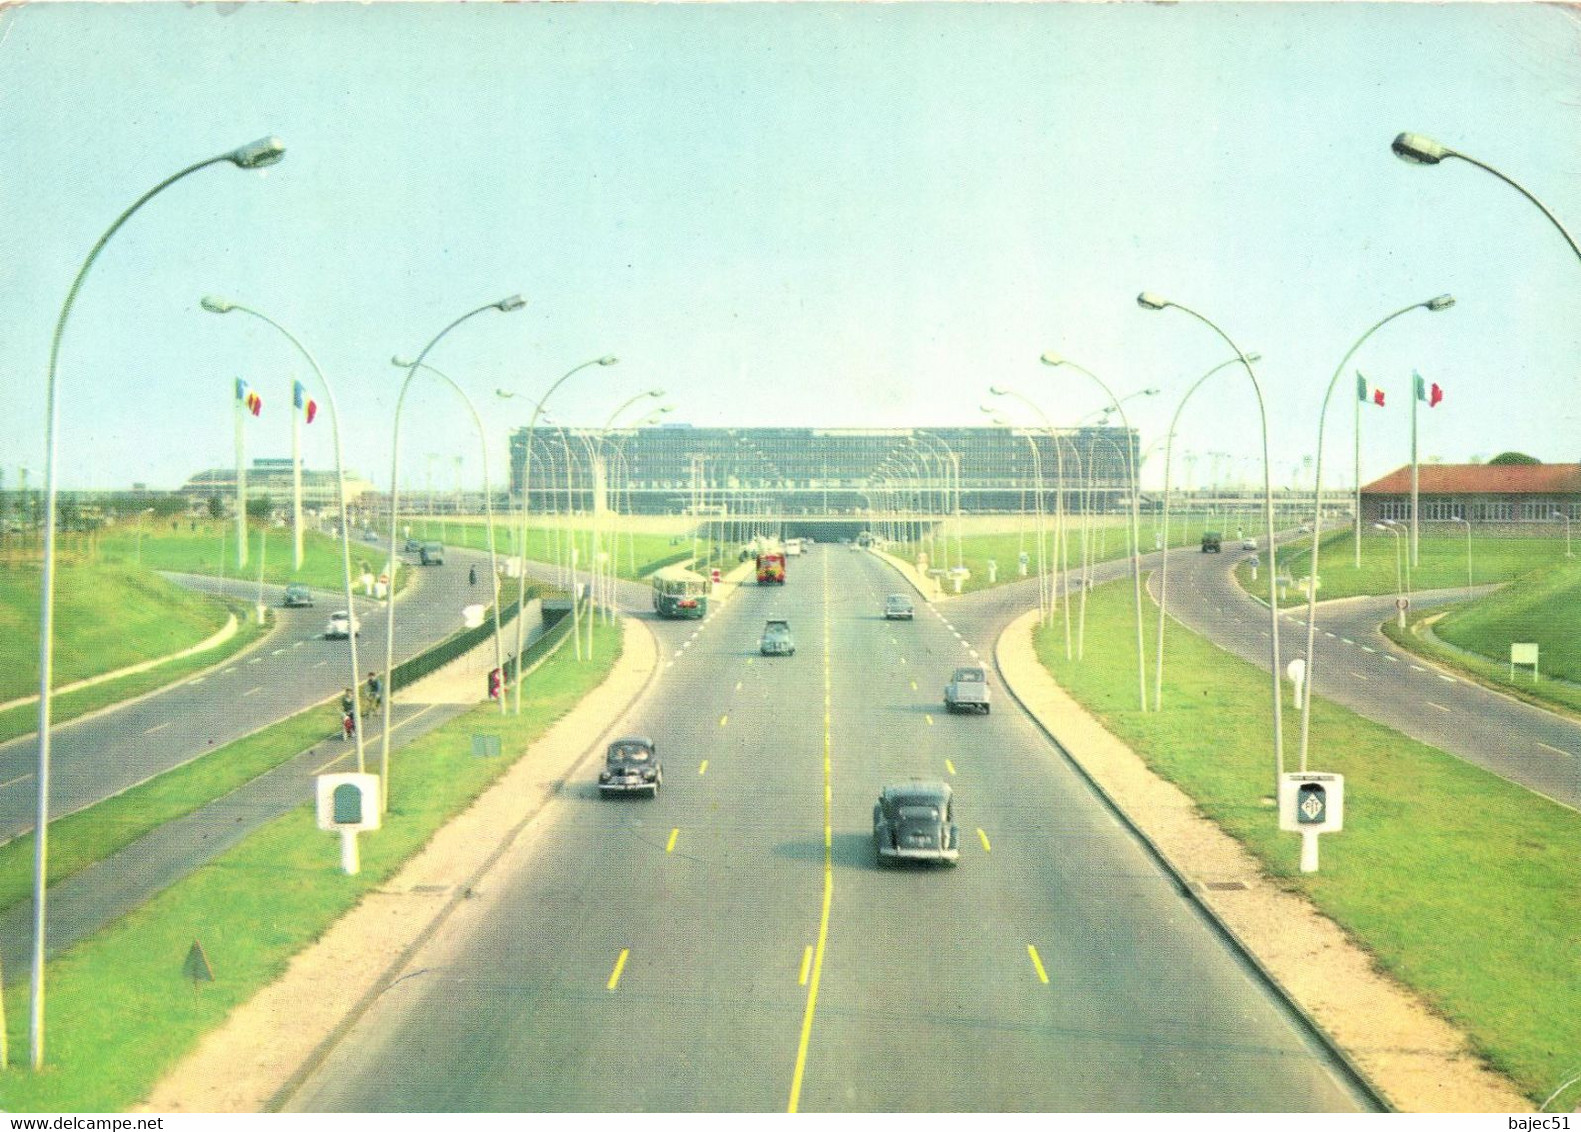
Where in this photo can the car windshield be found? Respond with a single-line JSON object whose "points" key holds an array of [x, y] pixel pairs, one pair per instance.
{"points": [[629, 754], [969, 676], [915, 812]]}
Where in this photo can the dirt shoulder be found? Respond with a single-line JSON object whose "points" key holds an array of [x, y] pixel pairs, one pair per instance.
{"points": [[276, 1038], [1414, 1058]]}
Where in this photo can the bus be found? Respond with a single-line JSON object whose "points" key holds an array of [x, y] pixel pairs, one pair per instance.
{"points": [[771, 568], [679, 592]]}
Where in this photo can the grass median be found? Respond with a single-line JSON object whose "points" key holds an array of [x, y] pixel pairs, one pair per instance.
{"points": [[1461, 884], [122, 1012]]}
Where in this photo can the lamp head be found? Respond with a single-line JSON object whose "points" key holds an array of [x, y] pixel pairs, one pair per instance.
{"points": [[1254, 356], [655, 393], [256, 155], [1419, 150], [1151, 301], [608, 361], [1439, 303], [216, 305], [504, 393], [511, 303], [1050, 358], [998, 390], [666, 408], [401, 363]]}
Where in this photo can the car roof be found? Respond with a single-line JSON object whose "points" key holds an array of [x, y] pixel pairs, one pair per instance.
{"points": [[773, 621], [632, 741], [917, 790], [898, 597]]}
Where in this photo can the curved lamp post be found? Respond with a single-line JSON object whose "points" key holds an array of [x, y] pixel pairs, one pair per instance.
{"points": [[258, 154], [1058, 564], [1050, 358], [1437, 303], [1163, 568], [1148, 301], [507, 304], [1566, 519], [1037, 513], [521, 587], [488, 515]]}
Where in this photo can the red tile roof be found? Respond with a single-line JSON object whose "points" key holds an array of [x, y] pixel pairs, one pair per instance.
{"points": [[1481, 479]]}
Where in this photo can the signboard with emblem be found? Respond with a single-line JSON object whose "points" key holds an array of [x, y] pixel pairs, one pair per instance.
{"points": [[1311, 803], [348, 803]]}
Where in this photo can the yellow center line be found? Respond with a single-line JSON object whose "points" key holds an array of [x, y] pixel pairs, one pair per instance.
{"points": [[620, 965], [913, 685], [704, 768], [902, 660], [738, 685], [828, 866], [1037, 964], [983, 837], [806, 964], [722, 719], [674, 833], [928, 717], [949, 766]]}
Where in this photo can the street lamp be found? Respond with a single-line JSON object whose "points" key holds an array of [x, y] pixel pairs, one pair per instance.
{"points": [[256, 155], [1163, 569], [1414, 149], [1059, 560], [508, 304], [1149, 301], [1397, 528], [488, 517], [1050, 358], [1467, 522], [1437, 303], [1039, 528], [521, 542], [1566, 518], [1399, 594], [601, 485]]}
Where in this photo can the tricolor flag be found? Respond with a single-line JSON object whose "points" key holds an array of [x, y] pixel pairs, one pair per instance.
{"points": [[247, 396], [1427, 391], [303, 401], [1365, 392]]}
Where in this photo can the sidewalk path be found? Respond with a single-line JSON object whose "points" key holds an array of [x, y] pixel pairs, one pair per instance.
{"points": [[1412, 1056], [273, 1041]]}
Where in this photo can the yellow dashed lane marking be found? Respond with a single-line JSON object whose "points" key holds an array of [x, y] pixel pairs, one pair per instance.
{"points": [[674, 833], [806, 965], [913, 685], [983, 837], [620, 965], [928, 717], [703, 769], [722, 720], [1037, 964], [949, 766]]}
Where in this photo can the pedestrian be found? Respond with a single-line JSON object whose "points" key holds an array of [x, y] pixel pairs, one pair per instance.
{"points": [[348, 721], [375, 690], [472, 576]]}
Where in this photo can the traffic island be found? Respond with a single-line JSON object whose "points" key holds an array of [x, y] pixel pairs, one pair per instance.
{"points": [[1410, 1055]]}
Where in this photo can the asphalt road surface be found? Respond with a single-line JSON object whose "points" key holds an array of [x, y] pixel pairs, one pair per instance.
{"points": [[732, 944], [96, 756]]}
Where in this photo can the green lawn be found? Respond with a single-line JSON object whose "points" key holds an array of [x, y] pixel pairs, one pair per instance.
{"points": [[637, 551], [211, 549], [120, 1011], [1108, 539], [1543, 606], [106, 617], [1463, 885], [1441, 554]]}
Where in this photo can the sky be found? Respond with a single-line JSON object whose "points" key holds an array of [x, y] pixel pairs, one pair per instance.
{"points": [[837, 215]]}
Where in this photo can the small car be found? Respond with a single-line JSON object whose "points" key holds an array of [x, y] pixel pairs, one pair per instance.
{"points": [[342, 625], [1210, 542], [898, 607], [631, 764], [1248, 544], [297, 595], [915, 821], [431, 554], [777, 639], [968, 690], [412, 546]]}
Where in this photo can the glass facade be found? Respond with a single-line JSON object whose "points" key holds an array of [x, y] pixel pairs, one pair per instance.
{"points": [[680, 469]]}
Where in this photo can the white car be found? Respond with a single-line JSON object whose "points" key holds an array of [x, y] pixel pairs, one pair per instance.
{"points": [[342, 625], [1248, 544]]}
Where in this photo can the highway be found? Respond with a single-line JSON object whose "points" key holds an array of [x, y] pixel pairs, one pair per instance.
{"points": [[733, 946], [294, 667]]}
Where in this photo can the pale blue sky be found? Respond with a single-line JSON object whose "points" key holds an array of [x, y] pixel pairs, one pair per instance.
{"points": [[839, 215]]}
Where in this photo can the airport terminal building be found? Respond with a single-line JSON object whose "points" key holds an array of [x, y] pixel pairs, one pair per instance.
{"points": [[679, 469]]}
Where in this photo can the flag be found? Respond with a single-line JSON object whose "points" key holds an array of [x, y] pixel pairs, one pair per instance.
{"points": [[1427, 391], [1364, 392], [246, 395], [303, 401], [254, 402]]}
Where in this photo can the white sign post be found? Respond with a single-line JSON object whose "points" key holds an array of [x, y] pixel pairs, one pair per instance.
{"points": [[1402, 604], [1297, 671], [1523, 654], [348, 803], [1310, 804]]}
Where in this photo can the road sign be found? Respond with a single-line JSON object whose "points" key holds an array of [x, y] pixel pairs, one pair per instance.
{"points": [[1311, 803], [1296, 670], [1402, 603]]}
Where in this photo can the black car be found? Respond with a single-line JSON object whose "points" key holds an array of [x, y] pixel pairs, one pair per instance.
{"points": [[298, 595], [631, 764], [915, 821]]}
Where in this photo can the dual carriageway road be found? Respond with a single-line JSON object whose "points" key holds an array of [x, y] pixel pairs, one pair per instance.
{"points": [[733, 945]]}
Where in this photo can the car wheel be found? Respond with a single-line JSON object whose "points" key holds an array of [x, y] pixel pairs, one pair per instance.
{"points": [[987, 708]]}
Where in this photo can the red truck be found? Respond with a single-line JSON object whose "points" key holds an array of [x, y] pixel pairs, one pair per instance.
{"points": [[771, 568]]}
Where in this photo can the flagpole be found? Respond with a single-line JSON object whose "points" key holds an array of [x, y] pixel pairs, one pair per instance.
{"points": [[296, 471], [1416, 559], [241, 489]]}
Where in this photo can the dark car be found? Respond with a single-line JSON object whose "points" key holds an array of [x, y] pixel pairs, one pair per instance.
{"points": [[777, 640], [898, 607], [1211, 541], [412, 546], [631, 764], [915, 821], [431, 554], [297, 595]]}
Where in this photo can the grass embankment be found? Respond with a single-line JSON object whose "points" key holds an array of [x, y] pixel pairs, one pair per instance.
{"points": [[1464, 886], [1108, 538], [121, 1011], [638, 552], [211, 549], [1442, 561]]}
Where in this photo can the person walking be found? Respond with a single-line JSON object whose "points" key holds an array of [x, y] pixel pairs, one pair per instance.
{"points": [[472, 576], [375, 690], [348, 720]]}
